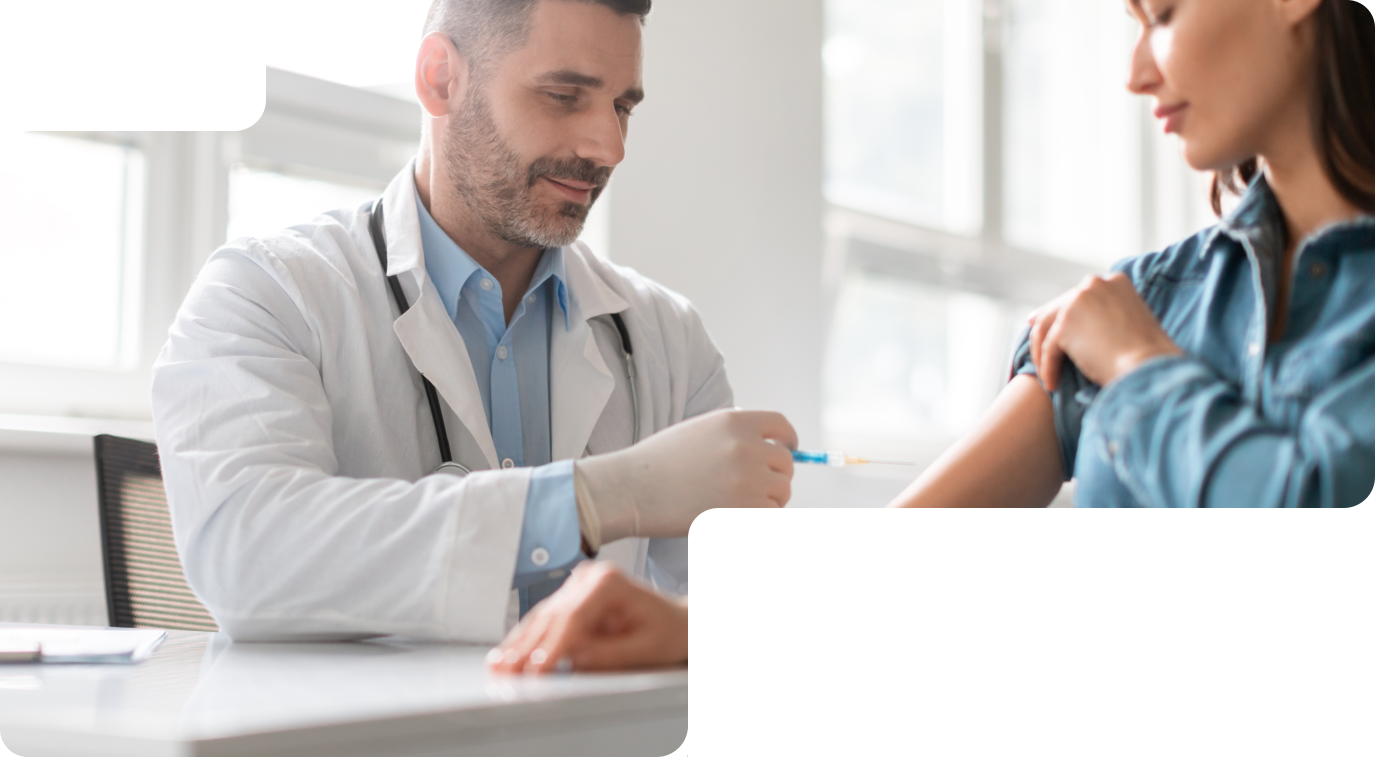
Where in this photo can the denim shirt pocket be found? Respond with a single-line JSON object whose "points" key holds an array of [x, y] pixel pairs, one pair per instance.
{"points": [[1309, 369]]}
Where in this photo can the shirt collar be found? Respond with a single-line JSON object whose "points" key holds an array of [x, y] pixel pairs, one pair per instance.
{"points": [[1258, 219], [450, 267]]}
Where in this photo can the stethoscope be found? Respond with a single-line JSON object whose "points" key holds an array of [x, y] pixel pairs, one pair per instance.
{"points": [[447, 464]]}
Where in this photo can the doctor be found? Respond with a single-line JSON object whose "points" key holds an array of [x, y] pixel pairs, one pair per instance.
{"points": [[293, 403]]}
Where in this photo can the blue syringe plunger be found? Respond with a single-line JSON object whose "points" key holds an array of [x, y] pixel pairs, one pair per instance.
{"points": [[836, 459]]}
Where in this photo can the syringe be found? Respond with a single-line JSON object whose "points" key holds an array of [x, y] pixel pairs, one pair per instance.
{"points": [[838, 459]]}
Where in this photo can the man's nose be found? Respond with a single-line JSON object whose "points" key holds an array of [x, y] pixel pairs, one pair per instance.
{"points": [[601, 138]]}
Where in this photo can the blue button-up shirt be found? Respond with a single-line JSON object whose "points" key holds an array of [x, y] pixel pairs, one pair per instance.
{"points": [[511, 363], [1237, 421]]}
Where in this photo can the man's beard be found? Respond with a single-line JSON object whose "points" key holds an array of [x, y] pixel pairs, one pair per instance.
{"points": [[491, 180]]}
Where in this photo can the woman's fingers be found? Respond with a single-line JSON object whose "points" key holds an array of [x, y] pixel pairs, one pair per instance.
{"points": [[1052, 357], [1045, 320]]}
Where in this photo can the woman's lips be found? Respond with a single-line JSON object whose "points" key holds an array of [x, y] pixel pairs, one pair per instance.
{"points": [[1173, 115]]}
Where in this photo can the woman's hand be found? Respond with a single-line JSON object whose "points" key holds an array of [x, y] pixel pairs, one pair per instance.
{"points": [[1103, 326], [598, 620]]}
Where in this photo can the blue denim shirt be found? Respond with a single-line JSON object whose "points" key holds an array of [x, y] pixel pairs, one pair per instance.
{"points": [[1236, 421]]}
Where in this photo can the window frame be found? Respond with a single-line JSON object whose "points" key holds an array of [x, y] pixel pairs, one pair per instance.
{"points": [[367, 138], [985, 262]]}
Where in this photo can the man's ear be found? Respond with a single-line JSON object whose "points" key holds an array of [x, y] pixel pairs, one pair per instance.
{"points": [[1295, 12], [441, 75]]}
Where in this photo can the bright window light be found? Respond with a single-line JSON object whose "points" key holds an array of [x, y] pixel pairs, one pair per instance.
{"points": [[903, 111], [1072, 135], [361, 44], [72, 211], [265, 202], [908, 361]]}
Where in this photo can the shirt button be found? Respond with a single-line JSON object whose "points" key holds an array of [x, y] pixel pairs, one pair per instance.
{"points": [[1254, 349], [508, 463], [1112, 448], [530, 300], [501, 352], [1317, 270], [487, 285], [540, 557]]}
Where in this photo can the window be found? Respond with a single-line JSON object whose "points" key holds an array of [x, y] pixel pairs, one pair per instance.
{"points": [[72, 253], [262, 202], [902, 110], [1071, 136], [354, 42], [912, 361], [982, 157]]}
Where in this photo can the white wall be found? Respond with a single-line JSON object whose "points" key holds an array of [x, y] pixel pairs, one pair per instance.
{"points": [[720, 194], [720, 199], [50, 556]]}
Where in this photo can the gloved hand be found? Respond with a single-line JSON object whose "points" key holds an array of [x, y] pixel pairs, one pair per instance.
{"points": [[658, 487]]}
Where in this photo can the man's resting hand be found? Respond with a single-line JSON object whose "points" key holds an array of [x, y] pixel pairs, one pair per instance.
{"points": [[598, 620]]}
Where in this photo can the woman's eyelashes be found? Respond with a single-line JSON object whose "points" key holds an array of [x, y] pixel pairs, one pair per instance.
{"points": [[1157, 20]]}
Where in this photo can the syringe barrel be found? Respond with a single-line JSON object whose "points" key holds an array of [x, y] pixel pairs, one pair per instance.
{"points": [[836, 459]]}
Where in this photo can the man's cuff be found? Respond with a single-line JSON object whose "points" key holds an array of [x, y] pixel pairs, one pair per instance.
{"points": [[550, 540]]}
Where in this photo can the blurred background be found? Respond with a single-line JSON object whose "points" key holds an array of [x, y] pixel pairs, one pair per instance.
{"points": [[864, 198]]}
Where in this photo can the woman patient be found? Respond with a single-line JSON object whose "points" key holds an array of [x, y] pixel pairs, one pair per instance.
{"points": [[1236, 368]]}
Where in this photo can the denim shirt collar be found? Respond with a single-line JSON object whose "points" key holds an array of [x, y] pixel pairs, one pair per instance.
{"points": [[1259, 221]]}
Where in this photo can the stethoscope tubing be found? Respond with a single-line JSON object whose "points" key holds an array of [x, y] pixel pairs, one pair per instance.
{"points": [[447, 464]]}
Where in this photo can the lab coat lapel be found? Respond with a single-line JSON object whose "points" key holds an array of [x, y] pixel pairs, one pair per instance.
{"points": [[438, 351], [581, 384], [428, 335]]}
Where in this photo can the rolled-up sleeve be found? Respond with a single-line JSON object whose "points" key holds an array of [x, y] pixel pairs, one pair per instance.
{"points": [[1071, 401], [1178, 435]]}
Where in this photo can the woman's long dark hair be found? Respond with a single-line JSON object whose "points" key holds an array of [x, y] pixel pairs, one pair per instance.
{"points": [[1343, 106]]}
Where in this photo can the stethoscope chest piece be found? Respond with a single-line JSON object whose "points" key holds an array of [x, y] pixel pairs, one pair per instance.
{"points": [[451, 469]]}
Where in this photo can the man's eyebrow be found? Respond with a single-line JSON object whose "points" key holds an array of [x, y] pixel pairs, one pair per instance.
{"points": [[570, 78]]}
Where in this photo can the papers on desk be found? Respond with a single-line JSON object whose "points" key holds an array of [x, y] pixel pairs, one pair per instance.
{"points": [[73, 644]]}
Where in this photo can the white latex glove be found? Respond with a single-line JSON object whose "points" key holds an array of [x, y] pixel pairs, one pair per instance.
{"points": [[658, 487]]}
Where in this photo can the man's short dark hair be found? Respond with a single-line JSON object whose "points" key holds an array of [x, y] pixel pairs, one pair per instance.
{"points": [[485, 30]]}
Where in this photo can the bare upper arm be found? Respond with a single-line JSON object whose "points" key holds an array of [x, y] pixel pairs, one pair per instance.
{"points": [[1012, 459]]}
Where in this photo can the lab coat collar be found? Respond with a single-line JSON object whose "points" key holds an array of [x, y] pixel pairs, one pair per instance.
{"points": [[589, 295], [581, 384], [401, 221]]}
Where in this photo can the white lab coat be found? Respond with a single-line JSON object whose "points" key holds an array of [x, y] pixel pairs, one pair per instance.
{"points": [[296, 438]]}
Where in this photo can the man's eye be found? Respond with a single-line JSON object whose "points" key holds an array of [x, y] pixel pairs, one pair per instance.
{"points": [[562, 99], [623, 110], [1163, 19]]}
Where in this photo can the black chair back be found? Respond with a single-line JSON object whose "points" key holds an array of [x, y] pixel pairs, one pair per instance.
{"points": [[144, 583]]}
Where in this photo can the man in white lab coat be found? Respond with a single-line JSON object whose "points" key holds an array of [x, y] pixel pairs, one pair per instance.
{"points": [[297, 440]]}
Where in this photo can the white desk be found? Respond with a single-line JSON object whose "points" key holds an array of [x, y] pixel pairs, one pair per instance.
{"points": [[201, 695]]}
